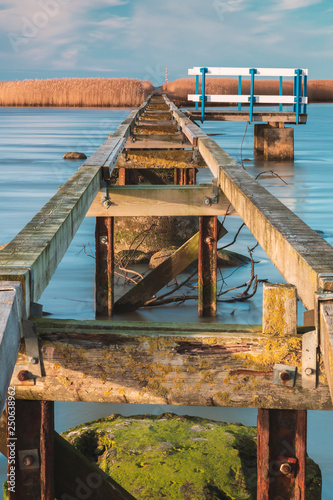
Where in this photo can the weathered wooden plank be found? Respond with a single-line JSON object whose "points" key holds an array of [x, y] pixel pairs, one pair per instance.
{"points": [[160, 159], [199, 364], [11, 311], [259, 116], [299, 253], [42, 243], [326, 339], [77, 477], [279, 309], [159, 201], [189, 129], [149, 143], [159, 277]]}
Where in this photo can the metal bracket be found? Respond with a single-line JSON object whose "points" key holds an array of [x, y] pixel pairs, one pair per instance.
{"points": [[321, 297], [31, 348], [106, 203], [28, 459], [195, 154], [114, 156], [284, 375], [309, 359], [215, 193]]}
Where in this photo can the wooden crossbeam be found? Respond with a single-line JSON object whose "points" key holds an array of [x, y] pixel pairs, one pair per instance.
{"points": [[11, 312], [34, 254], [326, 336], [166, 363], [163, 200]]}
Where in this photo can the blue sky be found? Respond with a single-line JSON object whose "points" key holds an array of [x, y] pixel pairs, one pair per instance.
{"points": [[140, 38]]}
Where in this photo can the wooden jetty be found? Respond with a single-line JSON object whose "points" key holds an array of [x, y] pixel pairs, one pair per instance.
{"points": [[278, 367]]}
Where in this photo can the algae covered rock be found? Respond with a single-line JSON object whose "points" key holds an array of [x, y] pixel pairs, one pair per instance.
{"points": [[177, 457], [74, 155]]}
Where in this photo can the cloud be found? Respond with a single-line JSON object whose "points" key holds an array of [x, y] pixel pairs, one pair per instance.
{"points": [[295, 4]]}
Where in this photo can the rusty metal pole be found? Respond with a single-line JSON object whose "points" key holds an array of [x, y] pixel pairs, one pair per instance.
{"points": [[104, 275], [47, 449], [192, 176], [281, 434], [31, 458], [207, 266], [281, 454]]}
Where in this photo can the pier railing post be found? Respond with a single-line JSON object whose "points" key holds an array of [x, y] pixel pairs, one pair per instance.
{"points": [[281, 449], [207, 266]]}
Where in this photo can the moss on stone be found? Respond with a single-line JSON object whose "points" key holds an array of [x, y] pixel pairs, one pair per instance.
{"points": [[177, 457]]}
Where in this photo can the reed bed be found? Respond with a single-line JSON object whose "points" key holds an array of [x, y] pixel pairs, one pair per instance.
{"points": [[75, 92], [177, 91]]}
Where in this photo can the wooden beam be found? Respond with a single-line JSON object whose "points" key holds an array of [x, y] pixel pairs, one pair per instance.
{"points": [[326, 338], [244, 116], [164, 363], [40, 246], [302, 256], [162, 274], [159, 277], [11, 313], [77, 477], [207, 266], [159, 201]]}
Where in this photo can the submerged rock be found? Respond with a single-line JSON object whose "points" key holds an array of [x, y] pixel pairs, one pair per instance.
{"points": [[177, 457], [74, 156], [231, 259]]}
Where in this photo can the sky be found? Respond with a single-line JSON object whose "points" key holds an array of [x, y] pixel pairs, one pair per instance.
{"points": [[140, 38]]}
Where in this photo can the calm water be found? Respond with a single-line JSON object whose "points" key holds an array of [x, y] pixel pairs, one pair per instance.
{"points": [[32, 143]]}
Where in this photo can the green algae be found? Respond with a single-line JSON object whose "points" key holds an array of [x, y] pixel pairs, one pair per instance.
{"points": [[177, 457]]}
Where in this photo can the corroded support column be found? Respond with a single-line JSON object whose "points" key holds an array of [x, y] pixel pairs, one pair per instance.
{"points": [[31, 450], [281, 449], [207, 266], [274, 142], [104, 275]]}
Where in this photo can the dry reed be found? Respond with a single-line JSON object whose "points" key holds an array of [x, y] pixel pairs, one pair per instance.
{"points": [[75, 92], [318, 90]]}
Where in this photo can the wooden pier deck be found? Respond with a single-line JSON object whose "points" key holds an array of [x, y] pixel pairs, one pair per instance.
{"points": [[274, 367]]}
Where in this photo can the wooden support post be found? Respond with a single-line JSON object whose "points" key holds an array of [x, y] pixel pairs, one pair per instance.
{"points": [[207, 266], [281, 449], [32, 445], [104, 276]]}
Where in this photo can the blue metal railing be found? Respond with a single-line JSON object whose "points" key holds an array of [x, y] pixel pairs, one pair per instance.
{"points": [[299, 89]]}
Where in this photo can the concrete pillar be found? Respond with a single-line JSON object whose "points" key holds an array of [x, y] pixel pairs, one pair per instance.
{"points": [[274, 142], [259, 139], [279, 143]]}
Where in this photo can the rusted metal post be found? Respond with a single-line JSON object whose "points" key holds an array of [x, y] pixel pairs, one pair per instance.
{"points": [[192, 176], [281, 434], [207, 266], [281, 454], [47, 449], [104, 275], [32, 450]]}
